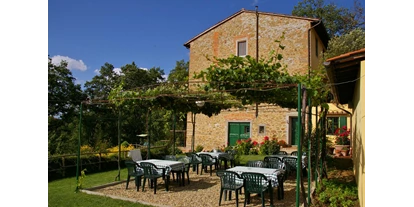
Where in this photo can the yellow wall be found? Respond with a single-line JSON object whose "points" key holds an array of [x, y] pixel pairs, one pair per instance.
{"points": [[358, 145]]}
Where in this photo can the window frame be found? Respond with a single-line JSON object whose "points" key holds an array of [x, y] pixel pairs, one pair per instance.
{"points": [[237, 47], [264, 130]]}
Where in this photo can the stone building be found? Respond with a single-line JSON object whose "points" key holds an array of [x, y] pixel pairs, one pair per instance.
{"points": [[305, 40]]}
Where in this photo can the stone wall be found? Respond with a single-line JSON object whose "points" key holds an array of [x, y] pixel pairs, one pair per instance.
{"points": [[221, 41]]}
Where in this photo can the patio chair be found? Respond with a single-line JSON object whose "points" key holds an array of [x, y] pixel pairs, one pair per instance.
{"points": [[230, 181], [133, 172], [207, 160], [255, 163], [232, 155], [294, 153], [256, 183], [195, 161], [187, 166], [269, 159], [135, 155], [152, 173], [282, 153], [290, 163], [170, 157]]}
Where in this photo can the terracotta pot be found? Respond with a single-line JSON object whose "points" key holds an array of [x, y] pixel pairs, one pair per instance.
{"points": [[344, 152]]}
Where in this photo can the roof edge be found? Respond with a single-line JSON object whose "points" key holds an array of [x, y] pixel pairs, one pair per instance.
{"points": [[187, 44], [345, 55]]}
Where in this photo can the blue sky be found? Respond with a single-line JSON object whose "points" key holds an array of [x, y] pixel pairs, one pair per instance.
{"points": [[151, 33]]}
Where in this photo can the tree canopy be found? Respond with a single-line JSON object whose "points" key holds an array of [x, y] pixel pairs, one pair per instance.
{"points": [[337, 20]]}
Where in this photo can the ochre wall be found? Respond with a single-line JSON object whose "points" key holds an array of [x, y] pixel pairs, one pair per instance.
{"points": [[222, 42]]}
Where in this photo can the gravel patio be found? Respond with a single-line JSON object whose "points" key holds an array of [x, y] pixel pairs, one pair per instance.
{"points": [[203, 190]]}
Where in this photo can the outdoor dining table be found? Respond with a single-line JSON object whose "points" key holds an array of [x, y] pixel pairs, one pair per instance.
{"points": [[217, 156], [167, 166], [274, 175]]}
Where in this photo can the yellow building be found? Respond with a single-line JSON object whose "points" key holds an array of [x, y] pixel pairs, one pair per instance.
{"points": [[346, 73]]}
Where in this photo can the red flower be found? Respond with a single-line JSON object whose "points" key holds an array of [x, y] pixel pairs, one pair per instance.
{"points": [[266, 138], [254, 143], [261, 143], [239, 141]]}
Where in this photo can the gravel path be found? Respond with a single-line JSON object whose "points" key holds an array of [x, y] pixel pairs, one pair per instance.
{"points": [[203, 190]]}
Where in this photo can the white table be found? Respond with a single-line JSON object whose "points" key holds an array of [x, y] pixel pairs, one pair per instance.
{"points": [[271, 174], [274, 175], [168, 165]]}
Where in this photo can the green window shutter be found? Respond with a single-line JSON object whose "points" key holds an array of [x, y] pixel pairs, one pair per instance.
{"points": [[342, 121]]}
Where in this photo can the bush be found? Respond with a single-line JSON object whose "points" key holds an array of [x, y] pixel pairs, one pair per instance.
{"points": [[269, 147], [243, 146], [336, 193], [199, 148], [282, 143]]}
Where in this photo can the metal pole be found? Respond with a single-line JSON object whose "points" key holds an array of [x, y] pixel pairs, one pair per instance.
{"points": [[79, 143], [149, 135], [117, 178], [317, 148], [309, 147], [173, 132], [193, 117], [299, 127]]}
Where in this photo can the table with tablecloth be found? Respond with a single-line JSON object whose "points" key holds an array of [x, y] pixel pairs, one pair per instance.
{"points": [[274, 175], [168, 165]]}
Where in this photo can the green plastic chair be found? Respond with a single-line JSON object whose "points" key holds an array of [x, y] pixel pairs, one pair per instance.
{"points": [[230, 181], [207, 160], [256, 183], [255, 163], [195, 161], [151, 173], [133, 172], [187, 166]]}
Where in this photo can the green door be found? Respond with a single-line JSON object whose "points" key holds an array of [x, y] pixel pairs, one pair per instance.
{"points": [[238, 130], [293, 130]]}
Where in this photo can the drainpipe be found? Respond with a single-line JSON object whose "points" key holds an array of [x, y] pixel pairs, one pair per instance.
{"points": [[257, 49]]}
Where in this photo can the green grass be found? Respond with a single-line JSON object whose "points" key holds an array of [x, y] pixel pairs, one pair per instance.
{"points": [[61, 193], [245, 158]]}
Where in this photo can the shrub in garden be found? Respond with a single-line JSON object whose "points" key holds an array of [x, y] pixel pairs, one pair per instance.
{"points": [[199, 148], [243, 146], [268, 147]]}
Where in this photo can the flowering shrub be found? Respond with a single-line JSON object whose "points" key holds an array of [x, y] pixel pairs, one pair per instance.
{"points": [[268, 147], [342, 136], [282, 143], [243, 146]]}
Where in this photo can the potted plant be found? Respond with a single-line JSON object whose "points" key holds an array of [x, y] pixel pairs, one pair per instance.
{"points": [[344, 151], [342, 138]]}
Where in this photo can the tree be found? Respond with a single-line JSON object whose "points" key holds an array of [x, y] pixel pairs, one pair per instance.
{"points": [[352, 41], [100, 85], [180, 72], [63, 94], [337, 20]]}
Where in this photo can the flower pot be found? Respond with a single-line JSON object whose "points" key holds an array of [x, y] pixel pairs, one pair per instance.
{"points": [[344, 152], [339, 147]]}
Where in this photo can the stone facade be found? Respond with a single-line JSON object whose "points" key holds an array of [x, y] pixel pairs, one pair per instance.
{"points": [[221, 41]]}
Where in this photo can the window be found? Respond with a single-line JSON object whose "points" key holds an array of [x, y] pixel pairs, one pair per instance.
{"points": [[316, 46], [332, 123], [242, 48], [262, 130]]}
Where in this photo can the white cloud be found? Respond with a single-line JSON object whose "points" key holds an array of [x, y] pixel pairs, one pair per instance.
{"points": [[117, 71], [72, 63]]}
